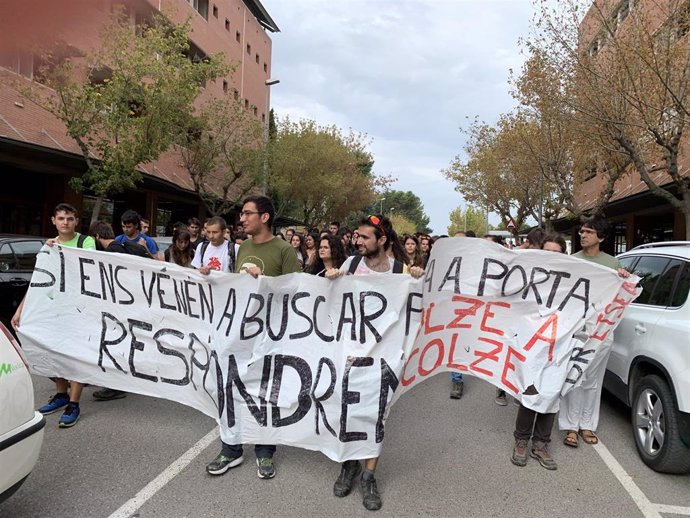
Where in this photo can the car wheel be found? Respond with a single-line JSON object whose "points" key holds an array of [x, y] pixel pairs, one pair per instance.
{"points": [[655, 427]]}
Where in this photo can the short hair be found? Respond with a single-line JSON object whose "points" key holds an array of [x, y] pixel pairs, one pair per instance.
{"points": [[144, 220], [131, 217], [101, 229], [555, 238], [217, 220], [344, 230], [194, 221], [536, 237], [336, 223], [470, 233], [600, 226], [264, 205], [65, 207]]}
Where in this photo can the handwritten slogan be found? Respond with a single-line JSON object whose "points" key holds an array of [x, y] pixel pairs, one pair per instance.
{"points": [[314, 363]]}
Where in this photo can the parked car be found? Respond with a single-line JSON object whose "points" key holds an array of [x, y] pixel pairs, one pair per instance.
{"points": [[17, 260], [649, 366], [21, 427]]}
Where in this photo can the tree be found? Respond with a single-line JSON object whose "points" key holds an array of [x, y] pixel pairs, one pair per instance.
{"points": [[407, 204], [469, 219], [496, 174], [320, 169], [123, 102], [630, 67], [223, 150], [402, 225]]}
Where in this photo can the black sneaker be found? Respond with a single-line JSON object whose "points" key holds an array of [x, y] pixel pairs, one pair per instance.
{"points": [[349, 470], [370, 494], [221, 464], [456, 391], [501, 398], [106, 394], [266, 467]]}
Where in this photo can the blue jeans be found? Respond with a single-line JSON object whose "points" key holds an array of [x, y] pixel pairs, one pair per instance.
{"points": [[456, 377], [235, 450]]}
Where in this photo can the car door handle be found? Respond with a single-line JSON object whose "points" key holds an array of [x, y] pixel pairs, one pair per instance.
{"points": [[640, 329], [18, 281]]}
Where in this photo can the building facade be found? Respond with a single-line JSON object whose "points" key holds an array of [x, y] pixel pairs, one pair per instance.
{"points": [[38, 158]]}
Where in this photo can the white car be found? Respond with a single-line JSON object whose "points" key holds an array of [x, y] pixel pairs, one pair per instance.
{"points": [[21, 427], [649, 366]]}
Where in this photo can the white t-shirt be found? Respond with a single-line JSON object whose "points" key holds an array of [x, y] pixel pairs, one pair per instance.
{"points": [[215, 257], [362, 268]]}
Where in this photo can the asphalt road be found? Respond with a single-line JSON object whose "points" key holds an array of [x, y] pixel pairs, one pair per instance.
{"points": [[441, 457]]}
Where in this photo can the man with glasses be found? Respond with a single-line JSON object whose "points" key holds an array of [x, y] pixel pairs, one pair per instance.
{"points": [[579, 409], [263, 254], [375, 237]]}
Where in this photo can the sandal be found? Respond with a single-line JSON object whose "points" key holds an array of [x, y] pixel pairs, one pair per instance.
{"points": [[570, 438], [589, 436]]}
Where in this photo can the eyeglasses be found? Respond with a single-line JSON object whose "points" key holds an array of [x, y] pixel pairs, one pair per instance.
{"points": [[376, 221], [246, 213]]}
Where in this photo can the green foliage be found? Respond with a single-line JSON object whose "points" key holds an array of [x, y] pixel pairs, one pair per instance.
{"points": [[404, 203], [223, 151], [123, 103], [469, 219], [320, 170]]}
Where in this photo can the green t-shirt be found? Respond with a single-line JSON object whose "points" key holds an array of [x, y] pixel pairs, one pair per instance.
{"points": [[274, 257], [89, 242], [603, 259]]}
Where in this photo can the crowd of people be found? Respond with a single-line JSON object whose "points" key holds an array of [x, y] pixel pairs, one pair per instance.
{"points": [[374, 248]]}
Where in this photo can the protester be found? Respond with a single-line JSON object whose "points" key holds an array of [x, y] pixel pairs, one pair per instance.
{"points": [[334, 227], [331, 255], [534, 239], [310, 247], [66, 219], [531, 425], [426, 244], [104, 236], [413, 251], [376, 238], [131, 228], [181, 251], [579, 409], [289, 233], [297, 243], [216, 253], [194, 228], [264, 254]]}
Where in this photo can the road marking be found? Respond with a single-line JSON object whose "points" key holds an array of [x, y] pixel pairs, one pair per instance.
{"points": [[166, 476], [673, 509], [648, 509]]}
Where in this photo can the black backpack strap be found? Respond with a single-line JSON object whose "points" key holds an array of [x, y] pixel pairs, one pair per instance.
{"points": [[80, 240], [204, 246], [398, 266], [354, 264], [231, 256]]}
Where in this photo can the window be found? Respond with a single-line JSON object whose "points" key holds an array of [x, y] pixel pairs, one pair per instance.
{"points": [[650, 270], [265, 68], [246, 104], [227, 25], [215, 11], [249, 49], [627, 262], [225, 86], [680, 294], [7, 260], [256, 58], [200, 6], [238, 36], [26, 251], [256, 112], [20, 63], [236, 94], [263, 118]]}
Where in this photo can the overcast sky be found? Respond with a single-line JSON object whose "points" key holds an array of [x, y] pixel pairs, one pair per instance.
{"points": [[408, 73]]}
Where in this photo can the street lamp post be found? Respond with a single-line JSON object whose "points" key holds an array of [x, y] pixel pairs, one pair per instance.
{"points": [[269, 83], [382, 200]]}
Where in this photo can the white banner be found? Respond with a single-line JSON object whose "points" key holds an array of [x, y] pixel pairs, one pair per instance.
{"points": [[314, 363]]}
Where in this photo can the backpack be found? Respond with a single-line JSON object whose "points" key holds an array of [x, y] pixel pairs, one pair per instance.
{"points": [[397, 265], [136, 249], [231, 254], [80, 240]]}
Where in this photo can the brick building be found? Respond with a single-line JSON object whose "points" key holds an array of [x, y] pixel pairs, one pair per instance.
{"points": [[37, 157]]}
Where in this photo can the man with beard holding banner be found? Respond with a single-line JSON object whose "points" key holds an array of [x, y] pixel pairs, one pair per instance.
{"points": [[261, 255], [375, 238]]}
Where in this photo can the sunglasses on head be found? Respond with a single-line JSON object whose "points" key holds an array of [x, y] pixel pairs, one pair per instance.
{"points": [[376, 221]]}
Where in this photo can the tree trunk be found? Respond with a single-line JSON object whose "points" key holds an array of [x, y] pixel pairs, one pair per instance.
{"points": [[96, 209], [686, 214]]}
